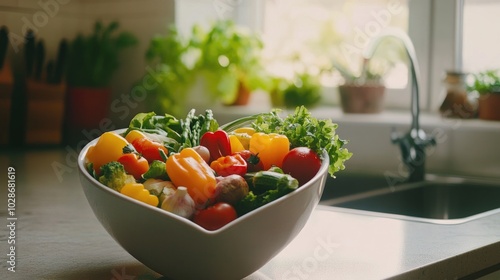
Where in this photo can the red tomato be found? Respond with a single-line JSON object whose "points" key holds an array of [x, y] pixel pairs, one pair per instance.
{"points": [[301, 163], [134, 164], [216, 216], [254, 163], [149, 149]]}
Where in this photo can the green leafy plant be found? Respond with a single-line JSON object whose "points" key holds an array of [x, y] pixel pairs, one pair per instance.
{"points": [[486, 82], [174, 58], [94, 58], [230, 58], [304, 90], [369, 71]]}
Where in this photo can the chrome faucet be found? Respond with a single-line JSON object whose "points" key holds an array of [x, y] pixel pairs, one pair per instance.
{"points": [[413, 143]]}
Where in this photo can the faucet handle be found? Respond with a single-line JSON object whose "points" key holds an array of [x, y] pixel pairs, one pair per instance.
{"points": [[395, 136], [425, 140]]}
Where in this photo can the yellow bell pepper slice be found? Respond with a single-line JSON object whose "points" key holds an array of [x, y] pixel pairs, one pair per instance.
{"points": [[137, 191], [248, 130], [271, 148], [133, 135], [109, 147], [236, 145], [187, 168]]}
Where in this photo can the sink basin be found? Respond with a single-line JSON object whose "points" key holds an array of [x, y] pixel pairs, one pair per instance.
{"points": [[436, 200], [351, 184]]}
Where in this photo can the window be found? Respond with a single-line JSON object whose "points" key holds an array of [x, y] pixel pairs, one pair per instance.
{"points": [[322, 32], [480, 23]]}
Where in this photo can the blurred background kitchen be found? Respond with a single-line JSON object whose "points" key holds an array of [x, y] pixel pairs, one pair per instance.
{"points": [[72, 69]]}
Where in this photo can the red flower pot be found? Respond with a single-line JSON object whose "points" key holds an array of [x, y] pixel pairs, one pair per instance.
{"points": [[87, 107]]}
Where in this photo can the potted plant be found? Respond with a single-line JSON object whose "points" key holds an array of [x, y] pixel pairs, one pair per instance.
{"points": [[230, 61], [92, 61], [363, 88], [362, 93], [487, 85], [173, 57], [304, 89]]}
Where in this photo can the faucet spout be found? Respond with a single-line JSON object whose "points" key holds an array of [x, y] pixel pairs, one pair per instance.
{"points": [[413, 143]]}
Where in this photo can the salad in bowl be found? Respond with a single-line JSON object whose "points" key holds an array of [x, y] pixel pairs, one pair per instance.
{"points": [[185, 196]]}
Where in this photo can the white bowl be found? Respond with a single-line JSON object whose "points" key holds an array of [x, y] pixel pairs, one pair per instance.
{"points": [[177, 248]]}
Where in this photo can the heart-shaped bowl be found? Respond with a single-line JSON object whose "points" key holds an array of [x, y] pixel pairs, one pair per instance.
{"points": [[178, 248]]}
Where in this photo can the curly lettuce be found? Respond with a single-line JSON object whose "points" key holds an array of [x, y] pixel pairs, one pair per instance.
{"points": [[304, 130]]}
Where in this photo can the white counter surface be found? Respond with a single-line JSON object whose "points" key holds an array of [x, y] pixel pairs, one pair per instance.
{"points": [[58, 237]]}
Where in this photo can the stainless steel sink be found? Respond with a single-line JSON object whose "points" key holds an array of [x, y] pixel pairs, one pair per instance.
{"points": [[446, 200]]}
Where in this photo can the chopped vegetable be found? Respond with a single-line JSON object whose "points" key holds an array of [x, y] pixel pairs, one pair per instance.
{"points": [[177, 134], [193, 127], [236, 145], [157, 186], [114, 176], [203, 152], [179, 203], [133, 135], [137, 191], [265, 186], [217, 143], [228, 165], [302, 163], [156, 170], [254, 163], [188, 169], [266, 180], [271, 148], [134, 164], [216, 216], [149, 149], [231, 189], [108, 148]]}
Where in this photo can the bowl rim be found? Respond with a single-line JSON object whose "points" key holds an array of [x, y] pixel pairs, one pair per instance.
{"points": [[83, 171]]}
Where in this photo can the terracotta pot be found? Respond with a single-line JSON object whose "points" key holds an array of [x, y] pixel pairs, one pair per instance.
{"points": [[362, 99], [87, 107], [489, 106], [243, 96]]}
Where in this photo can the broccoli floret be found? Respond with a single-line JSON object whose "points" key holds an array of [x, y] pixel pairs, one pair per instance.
{"points": [[114, 176]]}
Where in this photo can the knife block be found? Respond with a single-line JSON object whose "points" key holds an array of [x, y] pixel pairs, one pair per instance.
{"points": [[6, 89], [45, 112]]}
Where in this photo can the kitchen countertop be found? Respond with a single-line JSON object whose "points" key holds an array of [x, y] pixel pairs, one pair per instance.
{"points": [[58, 237]]}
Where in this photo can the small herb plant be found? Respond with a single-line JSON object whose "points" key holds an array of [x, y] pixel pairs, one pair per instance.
{"points": [[370, 71], [94, 58], [173, 58], [230, 56], [486, 82]]}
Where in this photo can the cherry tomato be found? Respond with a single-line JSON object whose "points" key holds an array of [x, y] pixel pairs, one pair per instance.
{"points": [[149, 149], [254, 163], [302, 163], [134, 164], [216, 216]]}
